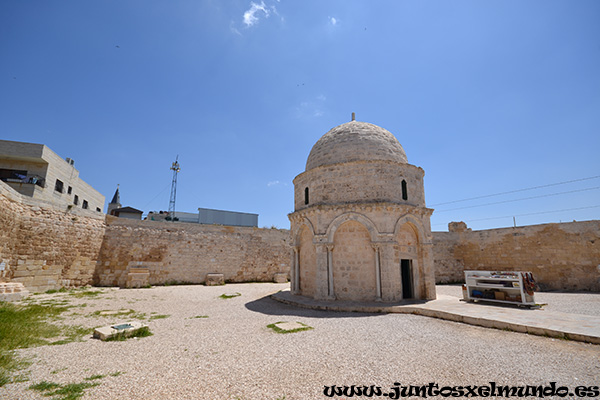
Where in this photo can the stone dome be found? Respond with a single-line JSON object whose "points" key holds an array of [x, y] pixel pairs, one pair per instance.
{"points": [[355, 141]]}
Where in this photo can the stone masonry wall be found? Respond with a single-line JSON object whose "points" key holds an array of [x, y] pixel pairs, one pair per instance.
{"points": [[561, 256], [186, 253], [44, 248]]}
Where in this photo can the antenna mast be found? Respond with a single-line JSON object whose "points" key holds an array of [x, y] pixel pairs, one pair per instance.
{"points": [[175, 168]]}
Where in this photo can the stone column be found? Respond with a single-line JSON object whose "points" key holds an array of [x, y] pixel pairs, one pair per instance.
{"points": [[322, 289], [377, 272], [391, 289], [330, 292], [428, 271], [296, 271]]}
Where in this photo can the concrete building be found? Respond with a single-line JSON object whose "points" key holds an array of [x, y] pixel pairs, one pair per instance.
{"points": [[127, 212], [360, 229], [36, 171], [209, 217]]}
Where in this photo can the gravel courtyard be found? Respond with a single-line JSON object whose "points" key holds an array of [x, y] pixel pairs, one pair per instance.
{"points": [[214, 348]]}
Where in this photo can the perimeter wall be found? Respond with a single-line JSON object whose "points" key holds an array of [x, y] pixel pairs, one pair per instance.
{"points": [[47, 248], [185, 252], [44, 247], [563, 256]]}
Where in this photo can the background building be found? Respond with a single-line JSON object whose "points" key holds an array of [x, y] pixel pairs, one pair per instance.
{"points": [[36, 171], [209, 216]]}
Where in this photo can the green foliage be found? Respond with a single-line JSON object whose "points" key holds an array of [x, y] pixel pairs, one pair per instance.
{"points": [[70, 391], [27, 326], [160, 316], [230, 295], [84, 292], [126, 313], [94, 377], [279, 330]]}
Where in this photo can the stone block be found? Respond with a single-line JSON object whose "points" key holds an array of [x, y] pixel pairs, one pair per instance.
{"points": [[280, 277], [214, 279], [137, 278], [125, 328]]}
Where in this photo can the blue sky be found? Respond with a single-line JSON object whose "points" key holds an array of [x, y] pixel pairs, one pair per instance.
{"points": [[486, 96]]}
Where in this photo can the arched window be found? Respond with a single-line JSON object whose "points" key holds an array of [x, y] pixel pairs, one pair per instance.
{"points": [[305, 195], [404, 190]]}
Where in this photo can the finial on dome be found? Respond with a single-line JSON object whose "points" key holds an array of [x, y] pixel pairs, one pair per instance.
{"points": [[353, 117]]}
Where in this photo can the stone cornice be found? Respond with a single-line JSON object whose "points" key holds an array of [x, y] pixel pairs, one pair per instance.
{"points": [[360, 208]]}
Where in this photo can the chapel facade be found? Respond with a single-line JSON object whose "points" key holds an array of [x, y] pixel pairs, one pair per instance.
{"points": [[360, 228]]}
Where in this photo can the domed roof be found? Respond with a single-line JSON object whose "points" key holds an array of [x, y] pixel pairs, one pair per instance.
{"points": [[355, 141]]}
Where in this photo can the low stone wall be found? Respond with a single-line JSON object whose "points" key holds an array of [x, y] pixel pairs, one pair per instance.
{"points": [[562, 256], [186, 253]]}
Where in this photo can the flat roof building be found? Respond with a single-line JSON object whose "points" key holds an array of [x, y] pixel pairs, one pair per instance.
{"points": [[209, 216], [36, 171]]}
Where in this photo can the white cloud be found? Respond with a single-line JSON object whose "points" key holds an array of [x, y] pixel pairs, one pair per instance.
{"points": [[333, 21], [234, 29], [250, 16], [276, 183], [312, 108]]}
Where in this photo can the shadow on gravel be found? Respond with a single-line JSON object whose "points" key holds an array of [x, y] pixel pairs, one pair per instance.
{"points": [[266, 305]]}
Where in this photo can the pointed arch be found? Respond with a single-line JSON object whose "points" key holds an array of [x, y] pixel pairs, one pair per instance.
{"points": [[351, 216]]}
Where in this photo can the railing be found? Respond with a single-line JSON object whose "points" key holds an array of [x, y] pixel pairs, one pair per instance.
{"points": [[30, 179]]}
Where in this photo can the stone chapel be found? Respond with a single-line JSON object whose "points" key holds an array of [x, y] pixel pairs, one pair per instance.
{"points": [[360, 228]]}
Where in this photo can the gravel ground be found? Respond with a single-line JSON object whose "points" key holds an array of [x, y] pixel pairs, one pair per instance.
{"points": [[233, 355]]}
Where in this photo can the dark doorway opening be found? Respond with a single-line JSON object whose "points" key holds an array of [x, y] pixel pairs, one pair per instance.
{"points": [[406, 274]]}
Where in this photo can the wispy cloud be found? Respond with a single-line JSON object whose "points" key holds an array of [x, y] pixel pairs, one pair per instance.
{"points": [[312, 108], [252, 15], [234, 29], [333, 21], [275, 183]]}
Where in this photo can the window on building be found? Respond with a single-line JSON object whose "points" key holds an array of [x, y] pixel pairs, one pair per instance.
{"points": [[404, 190], [98, 209], [59, 186], [306, 196], [76, 200], [69, 190], [84, 205]]}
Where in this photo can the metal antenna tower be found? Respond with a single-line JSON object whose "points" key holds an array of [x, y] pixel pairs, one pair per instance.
{"points": [[175, 168]]}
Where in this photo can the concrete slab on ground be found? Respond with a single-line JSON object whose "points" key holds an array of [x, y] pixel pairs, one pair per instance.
{"points": [[123, 328]]}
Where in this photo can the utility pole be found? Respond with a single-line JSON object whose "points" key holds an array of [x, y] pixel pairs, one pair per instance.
{"points": [[175, 168]]}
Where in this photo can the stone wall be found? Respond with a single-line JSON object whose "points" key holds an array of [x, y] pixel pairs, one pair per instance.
{"points": [[562, 256], [45, 248], [186, 253], [359, 181]]}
